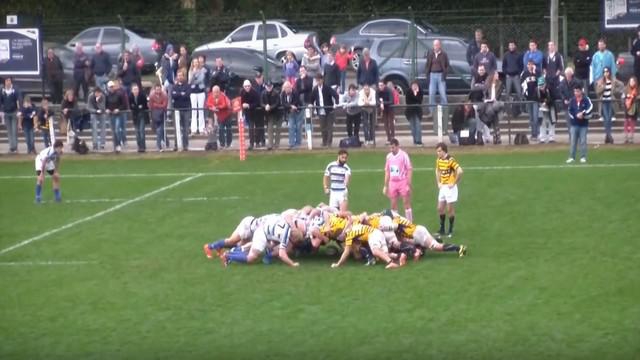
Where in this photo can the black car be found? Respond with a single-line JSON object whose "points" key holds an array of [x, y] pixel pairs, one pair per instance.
{"points": [[243, 64], [363, 35]]}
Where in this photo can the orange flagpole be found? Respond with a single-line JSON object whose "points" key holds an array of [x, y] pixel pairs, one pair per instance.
{"points": [[237, 108]]}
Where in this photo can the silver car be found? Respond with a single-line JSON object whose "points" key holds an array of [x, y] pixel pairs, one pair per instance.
{"points": [[281, 37]]}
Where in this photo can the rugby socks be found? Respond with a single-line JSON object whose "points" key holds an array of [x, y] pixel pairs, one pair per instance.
{"points": [[408, 213], [38, 192], [450, 247], [237, 256], [217, 245], [442, 217], [451, 220], [58, 197], [365, 253]]}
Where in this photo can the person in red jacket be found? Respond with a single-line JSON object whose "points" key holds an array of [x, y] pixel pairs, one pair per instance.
{"points": [[218, 103], [342, 58], [158, 101]]}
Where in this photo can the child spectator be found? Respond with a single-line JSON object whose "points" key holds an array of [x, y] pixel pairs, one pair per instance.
{"points": [[290, 68], [631, 98], [45, 118], [27, 123]]}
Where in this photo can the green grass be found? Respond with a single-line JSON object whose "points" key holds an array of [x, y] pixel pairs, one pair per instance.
{"points": [[552, 270]]}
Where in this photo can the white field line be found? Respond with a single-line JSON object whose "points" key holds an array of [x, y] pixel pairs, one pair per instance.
{"points": [[98, 214], [320, 171], [187, 199], [47, 263]]}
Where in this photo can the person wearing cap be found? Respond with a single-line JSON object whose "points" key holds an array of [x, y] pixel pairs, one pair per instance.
{"points": [[635, 52], [531, 93], [250, 99], [97, 107], [324, 99], [270, 102], [582, 62]]}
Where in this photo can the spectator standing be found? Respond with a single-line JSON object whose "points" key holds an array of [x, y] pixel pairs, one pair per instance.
{"points": [[250, 102], [512, 68], [270, 102], [602, 58], [436, 72], [413, 111], [324, 99], [474, 46], [631, 98], [553, 67], [101, 67], [290, 68], [324, 57], [181, 95], [608, 88], [549, 113], [54, 75], [367, 102], [184, 60], [158, 102], [168, 69], [116, 104], [220, 75], [385, 102], [568, 83], [486, 58], [582, 62], [531, 93], [367, 73], [343, 56], [259, 87], [218, 103], [197, 96], [139, 112], [45, 118], [311, 61], [81, 72], [128, 73], [331, 73], [349, 101], [202, 62], [137, 58], [293, 105], [398, 173], [580, 108], [27, 123], [97, 107], [10, 105], [533, 54]]}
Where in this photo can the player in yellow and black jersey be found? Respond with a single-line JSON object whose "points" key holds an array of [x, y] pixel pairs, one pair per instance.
{"points": [[448, 175]]}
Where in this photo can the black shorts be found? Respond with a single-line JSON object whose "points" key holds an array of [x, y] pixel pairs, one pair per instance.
{"points": [[50, 172]]}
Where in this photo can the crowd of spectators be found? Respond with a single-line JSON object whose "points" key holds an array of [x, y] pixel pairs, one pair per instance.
{"points": [[193, 94]]}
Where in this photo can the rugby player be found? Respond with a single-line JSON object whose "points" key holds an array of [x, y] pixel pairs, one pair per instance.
{"points": [[48, 160], [448, 175]]}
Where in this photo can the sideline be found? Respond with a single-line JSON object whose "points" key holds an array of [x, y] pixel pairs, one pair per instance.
{"points": [[98, 214]]}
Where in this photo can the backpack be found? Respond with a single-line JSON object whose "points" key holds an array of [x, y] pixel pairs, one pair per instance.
{"points": [[350, 142], [80, 146]]}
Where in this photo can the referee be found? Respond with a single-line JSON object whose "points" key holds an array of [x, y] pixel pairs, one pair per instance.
{"points": [[336, 180]]}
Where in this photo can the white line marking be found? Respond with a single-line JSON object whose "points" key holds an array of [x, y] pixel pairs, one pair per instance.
{"points": [[302, 171], [46, 263], [97, 215], [203, 198]]}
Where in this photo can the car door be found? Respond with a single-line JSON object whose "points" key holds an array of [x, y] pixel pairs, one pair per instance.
{"points": [[459, 76], [111, 42], [243, 37], [273, 38], [422, 47], [87, 38]]}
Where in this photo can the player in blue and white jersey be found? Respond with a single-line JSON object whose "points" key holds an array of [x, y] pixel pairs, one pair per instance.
{"points": [[336, 180], [48, 160]]}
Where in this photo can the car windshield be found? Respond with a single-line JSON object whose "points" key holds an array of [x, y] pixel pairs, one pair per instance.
{"points": [[290, 25]]}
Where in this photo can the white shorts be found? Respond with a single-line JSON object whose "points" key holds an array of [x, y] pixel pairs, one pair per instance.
{"points": [[378, 241], [422, 237], [50, 165], [336, 198], [244, 229], [447, 194], [259, 241]]}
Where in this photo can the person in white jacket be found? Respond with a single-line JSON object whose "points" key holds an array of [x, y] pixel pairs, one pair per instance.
{"points": [[367, 101]]}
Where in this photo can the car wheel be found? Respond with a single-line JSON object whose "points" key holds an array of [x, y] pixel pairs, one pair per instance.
{"points": [[399, 84], [355, 58], [282, 57]]}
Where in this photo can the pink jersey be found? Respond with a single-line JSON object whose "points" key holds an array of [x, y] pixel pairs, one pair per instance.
{"points": [[398, 166]]}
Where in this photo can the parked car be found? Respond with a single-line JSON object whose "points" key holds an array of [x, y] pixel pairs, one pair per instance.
{"points": [[281, 37], [363, 35], [32, 85], [243, 64], [393, 55], [150, 45]]}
